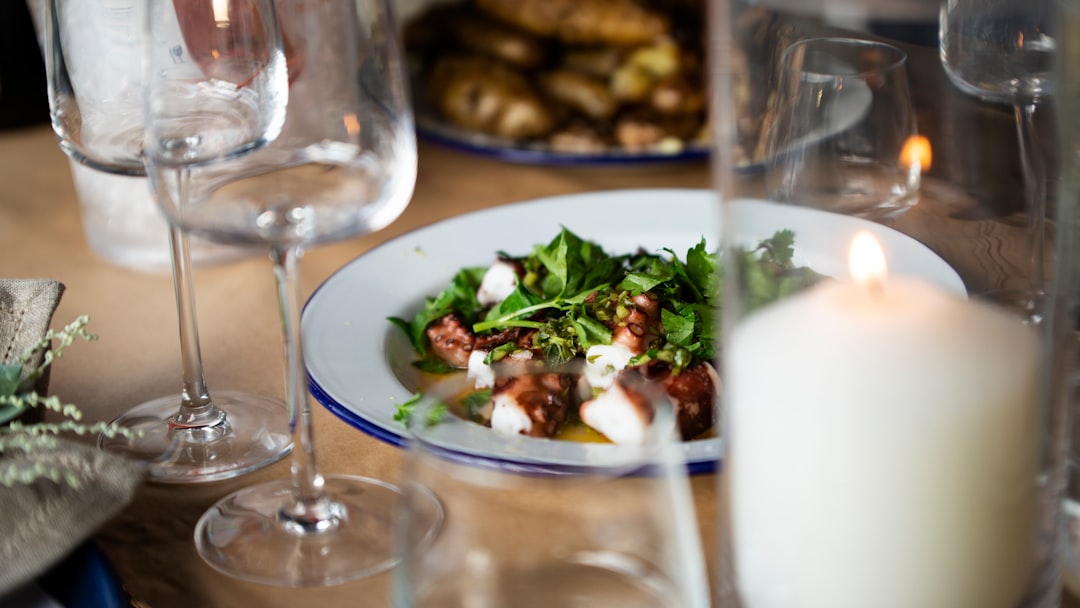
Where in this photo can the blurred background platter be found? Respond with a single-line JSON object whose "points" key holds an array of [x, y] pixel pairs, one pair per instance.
{"points": [[565, 82]]}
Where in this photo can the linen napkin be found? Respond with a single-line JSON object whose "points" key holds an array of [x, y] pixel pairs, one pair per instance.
{"points": [[26, 310], [41, 522]]}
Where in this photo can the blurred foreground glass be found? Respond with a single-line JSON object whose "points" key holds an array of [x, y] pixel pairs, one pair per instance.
{"points": [[888, 441], [841, 117], [1068, 225], [94, 52], [93, 55], [618, 534]]}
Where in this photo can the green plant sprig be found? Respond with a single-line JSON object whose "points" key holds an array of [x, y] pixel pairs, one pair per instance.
{"points": [[42, 437]]}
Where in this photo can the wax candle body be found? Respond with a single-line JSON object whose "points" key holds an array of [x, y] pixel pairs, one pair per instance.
{"points": [[882, 450]]}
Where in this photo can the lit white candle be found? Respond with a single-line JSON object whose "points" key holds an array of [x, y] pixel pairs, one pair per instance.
{"points": [[882, 449]]}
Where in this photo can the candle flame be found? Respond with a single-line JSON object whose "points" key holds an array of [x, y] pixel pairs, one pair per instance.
{"points": [[916, 153], [866, 260]]}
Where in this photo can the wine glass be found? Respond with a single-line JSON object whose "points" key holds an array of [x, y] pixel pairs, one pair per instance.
{"points": [[618, 532], [343, 165], [93, 52], [1002, 51]]}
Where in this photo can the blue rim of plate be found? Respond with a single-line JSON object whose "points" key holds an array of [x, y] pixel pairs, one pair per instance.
{"points": [[430, 130]]}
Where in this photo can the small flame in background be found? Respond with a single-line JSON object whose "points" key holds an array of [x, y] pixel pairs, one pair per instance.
{"points": [[916, 153]]}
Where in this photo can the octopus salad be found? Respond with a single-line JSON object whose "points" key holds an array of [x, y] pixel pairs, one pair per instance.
{"points": [[565, 342]]}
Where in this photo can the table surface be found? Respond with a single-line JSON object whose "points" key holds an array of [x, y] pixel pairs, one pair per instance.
{"points": [[137, 355]]}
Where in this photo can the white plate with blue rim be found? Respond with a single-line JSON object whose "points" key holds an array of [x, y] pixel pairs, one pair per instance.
{"points": [[360, 365]]}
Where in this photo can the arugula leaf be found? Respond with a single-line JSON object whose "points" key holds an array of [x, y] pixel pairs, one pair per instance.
{"points": [[590, 332], [475, 401], [703, 271], [706, 330], [521, 302], [574, 264], [433, 365], [781, 247], [407, 409], [679, 325], [655, 272]]}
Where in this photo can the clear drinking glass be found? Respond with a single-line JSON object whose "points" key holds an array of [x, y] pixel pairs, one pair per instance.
{"points": [[1068, 249], [1002, 51], [618, 533], [328, 79], [94, 59], [841, 118], [888, 440]]}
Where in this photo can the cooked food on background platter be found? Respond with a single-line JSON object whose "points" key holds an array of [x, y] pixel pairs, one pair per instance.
{"points": [[564, 341], [582, 77]]}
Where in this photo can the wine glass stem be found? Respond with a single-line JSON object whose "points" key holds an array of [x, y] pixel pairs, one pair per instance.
{"points": [[310, 510], [1033, 167], [197, 409]]}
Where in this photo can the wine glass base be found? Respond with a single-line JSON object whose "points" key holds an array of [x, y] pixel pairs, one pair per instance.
{"points": [[244, 535], [255, 433]]}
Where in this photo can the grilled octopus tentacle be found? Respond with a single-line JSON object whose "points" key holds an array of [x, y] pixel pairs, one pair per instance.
{"points": [[531, 404], [641, 327], [622, 414], [451, 340]]}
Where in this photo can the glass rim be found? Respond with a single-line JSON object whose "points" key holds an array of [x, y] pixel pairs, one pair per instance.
{"points": [[894, 57]]}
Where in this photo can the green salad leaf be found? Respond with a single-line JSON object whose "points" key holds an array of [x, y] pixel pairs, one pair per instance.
{"points": [[768, 272], [572, 293]]}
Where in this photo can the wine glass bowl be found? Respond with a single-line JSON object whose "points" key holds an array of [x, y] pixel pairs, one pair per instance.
{"points": [[997, 50], [333, 157], [94, 52], [345, 191]]}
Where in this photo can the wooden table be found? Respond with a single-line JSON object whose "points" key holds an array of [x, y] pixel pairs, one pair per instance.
{"points": [[137, 355]]}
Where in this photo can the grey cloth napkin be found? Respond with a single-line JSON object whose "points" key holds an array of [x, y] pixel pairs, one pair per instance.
{"points": [[26, 310], [41, 522]]}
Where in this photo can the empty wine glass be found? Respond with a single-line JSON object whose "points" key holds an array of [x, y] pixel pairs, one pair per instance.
{"points": [[94, 54], [343, 165], [620, 532], [1002, 51]]}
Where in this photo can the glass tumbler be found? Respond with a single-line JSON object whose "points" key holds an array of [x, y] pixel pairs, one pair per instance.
{"points": [[842, 115], [619, 532], [890, 439], [1068, 249]]}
